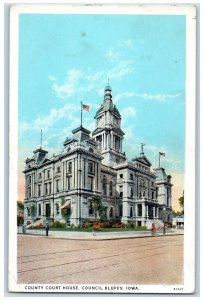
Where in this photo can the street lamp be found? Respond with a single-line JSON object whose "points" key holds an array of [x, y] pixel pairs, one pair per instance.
{"points": [[164, 214]]}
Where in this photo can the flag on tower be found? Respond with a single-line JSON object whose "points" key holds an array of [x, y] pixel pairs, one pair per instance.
{"points": [[85, 107], [162, 154]]}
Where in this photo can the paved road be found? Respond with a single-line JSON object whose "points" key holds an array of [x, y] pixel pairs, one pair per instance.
{"points": [[152, 260]]}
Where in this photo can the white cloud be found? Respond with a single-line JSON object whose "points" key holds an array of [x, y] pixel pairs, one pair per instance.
{"points": [[80, 81], [112, 55], [146, 96], [68, 88], [128, 112], [123, 68], [128, 43], [54, 115]]}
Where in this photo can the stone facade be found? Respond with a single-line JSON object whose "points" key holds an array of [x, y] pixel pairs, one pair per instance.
{"points": [[93, 169]]}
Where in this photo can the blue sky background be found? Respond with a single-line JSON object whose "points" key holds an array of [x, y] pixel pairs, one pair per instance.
{"points": [[65, 59]]}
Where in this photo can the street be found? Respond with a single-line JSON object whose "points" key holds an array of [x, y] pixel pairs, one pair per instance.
{"points": [[149, 260]]}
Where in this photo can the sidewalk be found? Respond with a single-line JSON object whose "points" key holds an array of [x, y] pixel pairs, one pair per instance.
{"points": [[97, 235]]}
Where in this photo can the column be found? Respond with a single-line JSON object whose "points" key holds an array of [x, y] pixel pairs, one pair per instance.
{"points": [[154, 212], [147, 214], [143, 210], [135, 210]]}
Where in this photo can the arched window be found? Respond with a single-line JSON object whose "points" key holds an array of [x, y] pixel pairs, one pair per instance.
{"points": [[90, 208], [91, 150]]}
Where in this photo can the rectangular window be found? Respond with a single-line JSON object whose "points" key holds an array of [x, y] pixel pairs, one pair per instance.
{"points": [[48, 174], [29, 179], [40, 175], [50, 188], [39, 209], [131, 176], [70, 167], [57, 186], [131, 211], [90, 183], [69, 178], [152, 195], [121, 175], [39, 190], [46, 189], [139, 209], [111, 189], [131, 192], [58, 169], [29, 192], [120, 210], [121, 191], [91, 167]]}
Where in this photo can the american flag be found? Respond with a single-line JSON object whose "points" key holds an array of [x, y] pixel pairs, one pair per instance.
{"points": [[85, 107], [162, 154]]}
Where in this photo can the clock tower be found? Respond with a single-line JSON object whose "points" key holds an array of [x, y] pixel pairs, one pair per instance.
{"points": [[108, 132]]}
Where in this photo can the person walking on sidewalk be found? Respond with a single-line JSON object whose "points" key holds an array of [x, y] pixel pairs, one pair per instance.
{"points": [[47, 228], [153, 229]]}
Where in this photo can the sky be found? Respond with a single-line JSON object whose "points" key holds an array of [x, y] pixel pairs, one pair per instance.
{"points": [[66, 59]]}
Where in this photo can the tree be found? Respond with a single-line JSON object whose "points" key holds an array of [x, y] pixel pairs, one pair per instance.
{"points": [[20, 204], [181, 202], [99, 207]]}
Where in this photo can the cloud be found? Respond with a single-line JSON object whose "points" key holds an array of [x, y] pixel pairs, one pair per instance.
{"points": [[80, 81], [46, 121], [128, 43], [123, 68], [128, 112], [154, 97], [112, 55], [68, 88]]}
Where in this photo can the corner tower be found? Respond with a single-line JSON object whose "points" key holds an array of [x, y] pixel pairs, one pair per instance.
{"points": [[108, 131]]}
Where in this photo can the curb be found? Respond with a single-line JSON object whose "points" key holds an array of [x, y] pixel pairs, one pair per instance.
{"points": [[100, 239]]}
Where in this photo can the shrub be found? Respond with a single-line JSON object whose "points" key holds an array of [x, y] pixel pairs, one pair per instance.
{"points": [[97, 226], [58, 224], [106, 224], [118, 225]]}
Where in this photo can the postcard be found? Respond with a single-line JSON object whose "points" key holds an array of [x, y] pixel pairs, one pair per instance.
{"points": [[102, 145]]}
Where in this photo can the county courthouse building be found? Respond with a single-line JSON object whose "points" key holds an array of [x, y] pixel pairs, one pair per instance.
{"points": [[93, 166]]}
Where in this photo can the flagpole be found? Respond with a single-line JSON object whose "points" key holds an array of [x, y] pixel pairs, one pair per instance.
{"points": [[41, 139], [81, 113], [159, 159]]}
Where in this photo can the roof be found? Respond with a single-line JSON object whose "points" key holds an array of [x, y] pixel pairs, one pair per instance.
{"points": [[143, 159]]}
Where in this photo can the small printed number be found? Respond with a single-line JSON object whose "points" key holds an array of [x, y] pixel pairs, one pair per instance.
{"points": [[178, 288]]}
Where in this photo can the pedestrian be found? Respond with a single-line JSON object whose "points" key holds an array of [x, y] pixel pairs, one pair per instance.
{"points": [[153, 229], [47, 228]]}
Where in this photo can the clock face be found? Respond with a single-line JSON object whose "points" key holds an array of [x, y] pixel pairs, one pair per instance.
{"points": [[115, 122]]}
